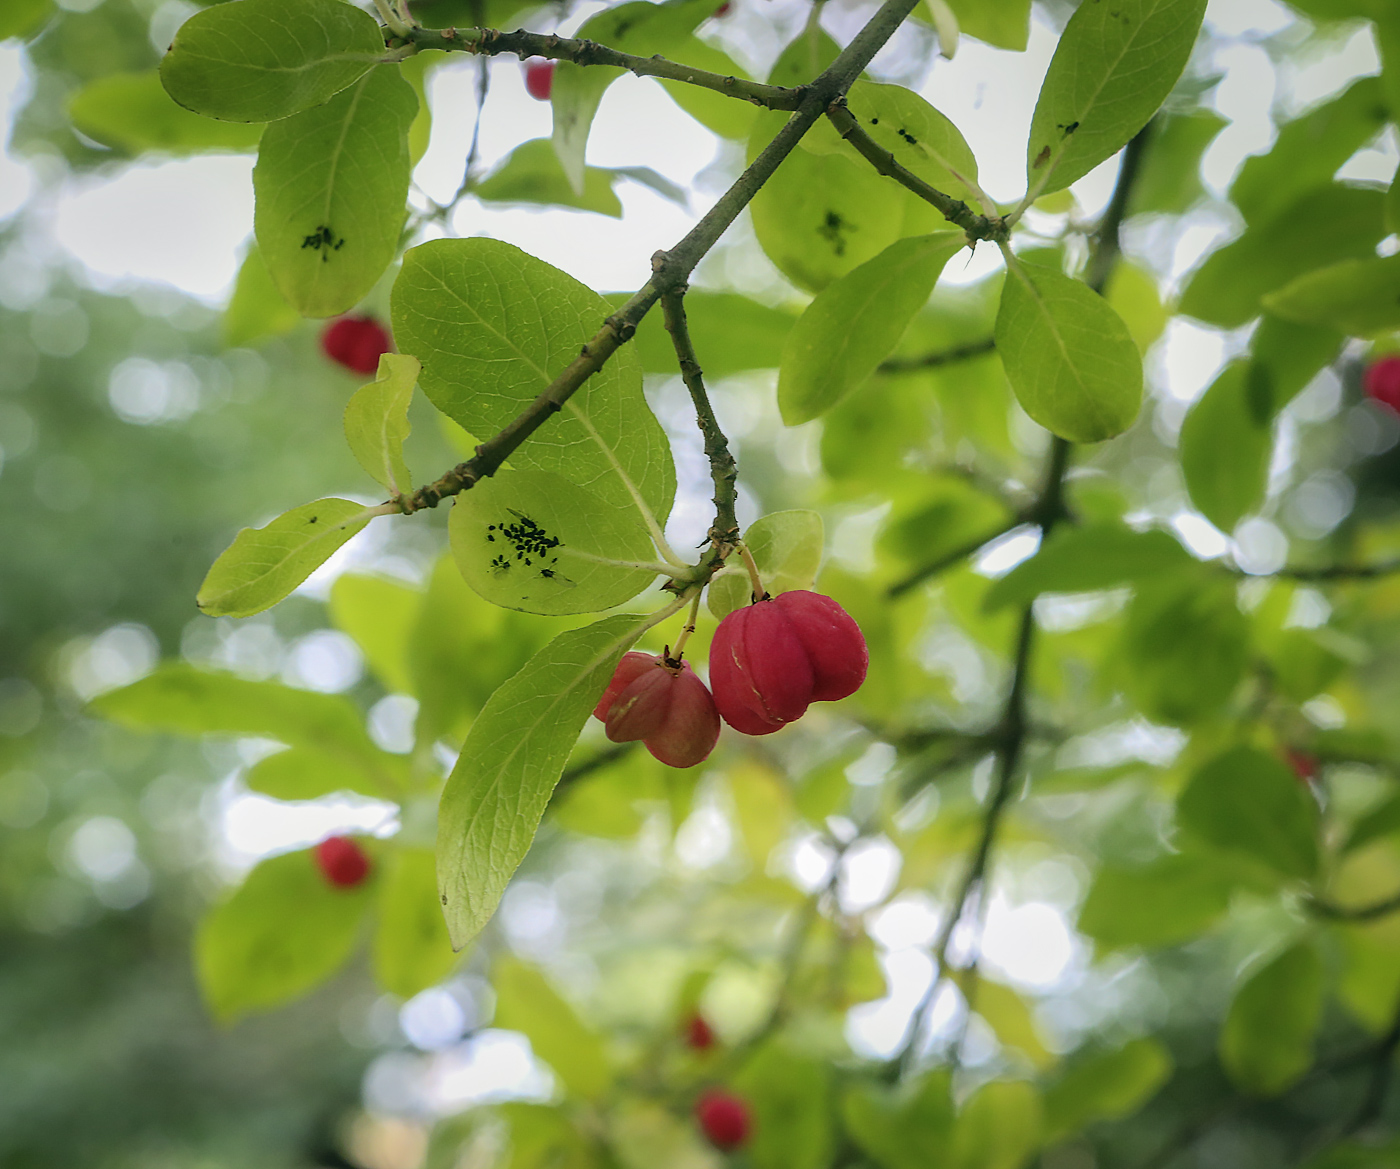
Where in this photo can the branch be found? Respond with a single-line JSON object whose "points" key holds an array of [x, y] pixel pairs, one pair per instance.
{"points": [[670, 269], [978, 227], [723, 470], [950, 558], [1339, 571], [490, 42], [1330, 909], [940, 357]]}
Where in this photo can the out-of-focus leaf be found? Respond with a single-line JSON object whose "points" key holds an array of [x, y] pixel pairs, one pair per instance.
{"points": [[1168, 901], [998, 1127], [1169, 180], [526, 1002], [1247, 802], [132, 113], [1266, 1044], [792, 1109], [376, 421], [731, 333], [379, 614], [906, 1128], [256, 309], [1226, 442], [284, 931], [411, 948], [1360, 297], [532, 173], [1105, 1085]]}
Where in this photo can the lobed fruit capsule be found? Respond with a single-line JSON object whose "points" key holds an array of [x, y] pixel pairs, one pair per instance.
{"points": [[770, 660], [539, 79], [342, 861], [1381, 381], [356, 343], [666, 707], [699, 1035], [724, 1118]]}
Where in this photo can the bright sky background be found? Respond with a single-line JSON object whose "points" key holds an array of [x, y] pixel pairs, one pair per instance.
{"points": [[185, 223]]}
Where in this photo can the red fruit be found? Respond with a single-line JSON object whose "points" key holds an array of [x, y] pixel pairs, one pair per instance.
{"points": [[1381, 381], [699, 1035], [1305, 766], [356, 343], [667, 709], [342, 862], [539, 79], [722, 10], [724, 1118], [771, 660]]}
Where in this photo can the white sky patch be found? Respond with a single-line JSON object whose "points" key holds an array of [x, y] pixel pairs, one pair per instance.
{"points": [[16, 178], [1031, 944], [180, 222]]}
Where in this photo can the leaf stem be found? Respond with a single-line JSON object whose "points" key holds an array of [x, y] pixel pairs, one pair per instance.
{"points": [[939, 357], [391, 18], [688, 628]]}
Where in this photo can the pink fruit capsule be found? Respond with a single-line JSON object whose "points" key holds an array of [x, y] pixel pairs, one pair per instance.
{"points": [[667, 708]]}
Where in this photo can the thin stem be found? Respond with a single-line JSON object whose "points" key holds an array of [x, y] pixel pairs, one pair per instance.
{"points": [[1330, 909], [670, 269], [490, 42], [977, 227], [950, 558], [688, 628], [724, 473], [755, 577], [483, 86], [391, 18], [938, 357], [1338, 571]]}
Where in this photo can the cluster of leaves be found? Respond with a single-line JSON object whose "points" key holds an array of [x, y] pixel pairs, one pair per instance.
{"points": [[1224, 850]]}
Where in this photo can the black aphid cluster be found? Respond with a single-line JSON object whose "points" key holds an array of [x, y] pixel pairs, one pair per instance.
{"points": [[527, 540]]}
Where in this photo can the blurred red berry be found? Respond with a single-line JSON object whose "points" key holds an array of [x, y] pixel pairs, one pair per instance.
{"points": [[770, 660], [1381, 381], [699, 1035], [723, 10], [724, 1118], [356, 343], [539, 79], [1305, 766], [668, 709], [342, 862]]}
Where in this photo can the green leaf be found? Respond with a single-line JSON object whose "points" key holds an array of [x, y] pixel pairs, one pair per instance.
{"points": [[731, 333], [1285, 356], [640, 28], [376, 421], [1003, 23], [330, 186], [855, 322], [1169, 178], [1308, 151], [998, 1127], [921, 139], [1266, 1044], [948, 514], [821, 215], [1132, 294], [1321, 227], [1226, 442], [1084, 559], [493, 326], [717, 112], [284, 931], [21, 18], [256, 309], [1106, 1085], [1250, 803], [265, 564], [1068, 355], [534, 541], [307, 773], [787, 546], [525, 1002], [1114, 66], [905, 1128], [1184, 647], [131, 112], [1010, 1018], [379, 614], [1171, 900], [532, 173], [806, 56], [260, 60], [792, 1103], [411, 948], [1360, 297], [510, 763]]}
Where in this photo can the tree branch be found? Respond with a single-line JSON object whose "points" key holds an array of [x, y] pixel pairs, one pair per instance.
{"points": [[950, 558], [490, 42], [978, 227], [939, 357], [670, 269]]}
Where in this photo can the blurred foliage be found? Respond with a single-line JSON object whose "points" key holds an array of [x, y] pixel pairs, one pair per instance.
{"points": [[1200, 799]]}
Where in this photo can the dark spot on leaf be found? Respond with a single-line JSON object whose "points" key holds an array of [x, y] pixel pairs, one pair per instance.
{"points": [[1070, 129], [444, 898], [876, 121], [324, 241], [833, 230], [908, 137], [312, 520], [1041, 159]]}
